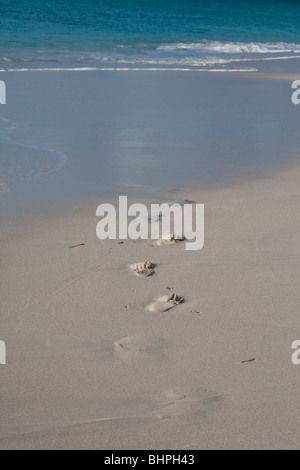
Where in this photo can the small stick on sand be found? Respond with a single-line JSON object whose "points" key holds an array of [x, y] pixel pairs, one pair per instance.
{"points": [[76, 246], [249, 360]]}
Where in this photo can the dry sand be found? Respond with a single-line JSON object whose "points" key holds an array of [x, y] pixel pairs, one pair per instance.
{"points": [[89, 366]]}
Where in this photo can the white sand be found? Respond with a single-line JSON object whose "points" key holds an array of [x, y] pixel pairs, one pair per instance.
{"points": [[90, 367]]}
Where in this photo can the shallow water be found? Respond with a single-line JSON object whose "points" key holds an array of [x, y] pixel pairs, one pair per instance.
{"points": [[69, 134], [116, 133], [22, 162]]}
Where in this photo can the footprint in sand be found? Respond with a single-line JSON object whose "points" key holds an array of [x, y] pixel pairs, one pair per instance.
{"points": [[171, 239], [166, 303], [181, 202], [188, 403], [135, 348], [145, 269]]}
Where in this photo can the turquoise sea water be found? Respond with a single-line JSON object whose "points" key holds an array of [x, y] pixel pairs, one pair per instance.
{"points": [[64, 132], [141, 32]]}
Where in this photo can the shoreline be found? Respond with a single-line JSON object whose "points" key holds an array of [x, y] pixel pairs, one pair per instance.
{"points": [[127, 66], [35, 211]]}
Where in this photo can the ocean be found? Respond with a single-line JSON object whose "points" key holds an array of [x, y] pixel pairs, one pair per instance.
{"points": [[143, 33], [67, 131]]}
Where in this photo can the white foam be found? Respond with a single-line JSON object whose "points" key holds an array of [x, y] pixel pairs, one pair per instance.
{"points": [[232, 47], [194, 54], [130, 69]]}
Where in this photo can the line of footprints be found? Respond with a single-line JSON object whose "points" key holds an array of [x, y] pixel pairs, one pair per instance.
{"points": [[147, 269]]}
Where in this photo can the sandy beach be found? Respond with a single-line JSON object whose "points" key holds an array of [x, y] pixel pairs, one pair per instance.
{"points": [[124, 344], [89, 366]]}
